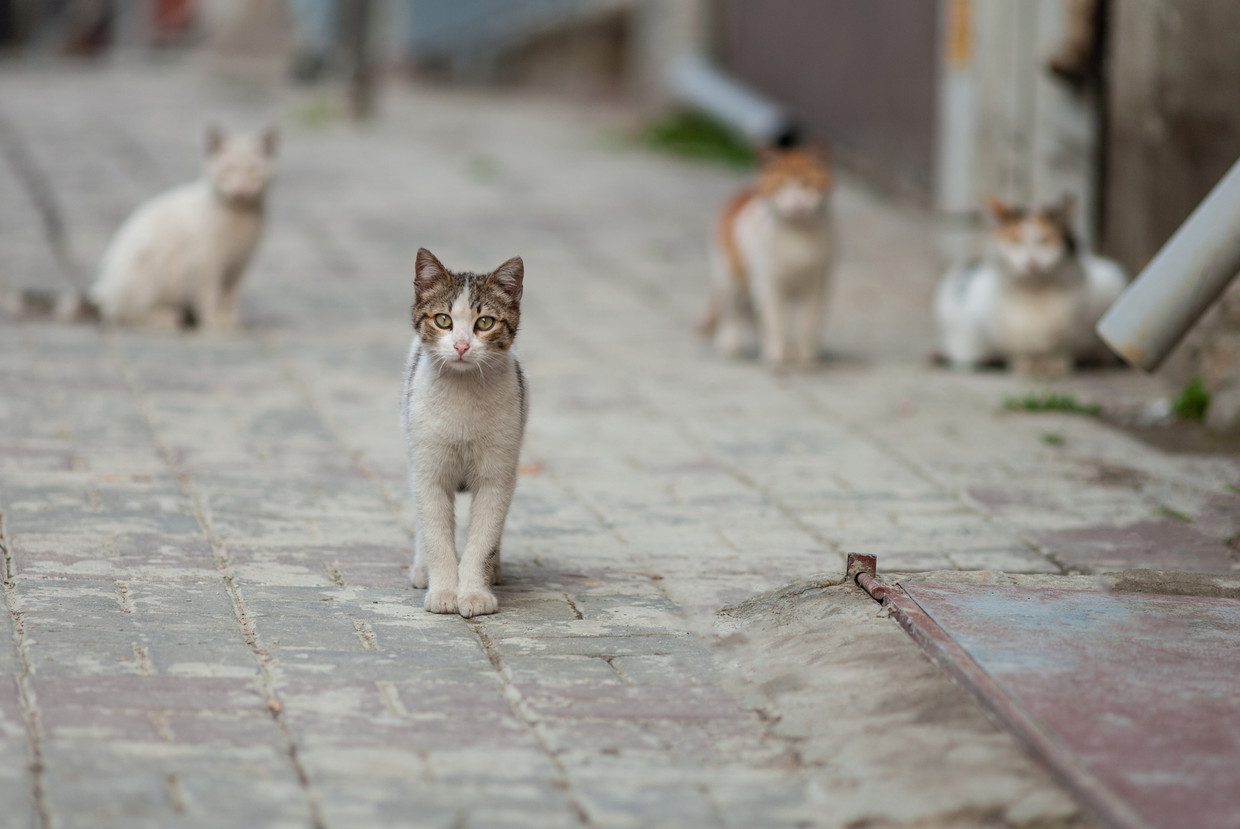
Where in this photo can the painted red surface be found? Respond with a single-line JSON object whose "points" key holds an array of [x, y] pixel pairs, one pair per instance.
{"points": [[1138, 694]]}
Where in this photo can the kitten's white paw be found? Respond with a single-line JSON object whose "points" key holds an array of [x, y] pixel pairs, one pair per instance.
{"points": [[440, 601], [476, 604], [418, 577]]}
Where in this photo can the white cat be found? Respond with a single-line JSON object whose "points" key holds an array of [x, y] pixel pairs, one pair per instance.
{"points": [[1032, 302], [463, 408], [182, 254], [772, 256]]}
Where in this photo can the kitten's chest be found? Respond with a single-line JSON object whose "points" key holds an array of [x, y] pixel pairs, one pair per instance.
{"points": [[463, 416]]}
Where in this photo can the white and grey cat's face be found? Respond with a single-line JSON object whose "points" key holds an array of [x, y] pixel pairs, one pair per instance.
{"points": [[241, 168], [1030, 244], [466, 321]]}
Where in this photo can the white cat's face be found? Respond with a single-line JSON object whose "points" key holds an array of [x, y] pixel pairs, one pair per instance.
{"points": [[1030, 244], [241, 168]]}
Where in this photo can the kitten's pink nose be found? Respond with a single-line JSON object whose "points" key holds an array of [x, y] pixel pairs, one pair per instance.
{"points": [[461, 348]]}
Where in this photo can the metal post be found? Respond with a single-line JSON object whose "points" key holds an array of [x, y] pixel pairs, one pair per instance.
{"points": [[1181, 282], [355, 23]]}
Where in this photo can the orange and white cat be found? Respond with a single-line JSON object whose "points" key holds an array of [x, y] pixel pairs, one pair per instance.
{"points": [[771, 261], [1033, 301]]}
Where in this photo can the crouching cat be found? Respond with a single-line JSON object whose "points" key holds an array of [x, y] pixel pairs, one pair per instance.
{"points": [[180, 257], [463, 408], [771, 261], [1033, 301]]}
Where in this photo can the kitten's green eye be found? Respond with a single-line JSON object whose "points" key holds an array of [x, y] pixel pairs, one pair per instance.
{"points": [[443, 320], [485, 323]]}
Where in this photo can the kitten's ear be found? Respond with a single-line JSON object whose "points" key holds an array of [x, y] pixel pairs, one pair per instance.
{"points": [[427, 270], [215, 139], [510, 277], [1001, 210], [269, 140]]}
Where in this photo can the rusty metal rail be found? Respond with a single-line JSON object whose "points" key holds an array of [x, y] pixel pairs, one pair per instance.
{"points": [[1008, 712]]}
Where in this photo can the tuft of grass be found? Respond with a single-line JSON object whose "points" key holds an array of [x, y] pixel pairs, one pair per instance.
{"points": [[1167, 512], [699, 137], [315, 113], [481, 168], [1235, 490], [1051, 402], [1053, 439], [1192, 401]]}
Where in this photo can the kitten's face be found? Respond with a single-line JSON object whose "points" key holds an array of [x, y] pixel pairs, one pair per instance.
{"points": [[466, 321], [241, 168], [1031, 244], [795, 182]]}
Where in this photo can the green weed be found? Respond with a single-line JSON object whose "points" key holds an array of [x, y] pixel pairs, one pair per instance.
{"points": [[1192, 401], [1051, 402], [699, 137], [1167, 512]]}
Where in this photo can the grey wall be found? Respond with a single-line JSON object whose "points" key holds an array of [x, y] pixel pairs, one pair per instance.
{"points": [[860, 74]]}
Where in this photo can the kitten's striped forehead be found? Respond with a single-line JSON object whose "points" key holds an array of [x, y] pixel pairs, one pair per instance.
{"points": [[465, 296]]}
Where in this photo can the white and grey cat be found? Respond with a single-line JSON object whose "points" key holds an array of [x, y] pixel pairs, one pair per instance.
{"points": [[1033, 301], [181, 256], [464, 405]]}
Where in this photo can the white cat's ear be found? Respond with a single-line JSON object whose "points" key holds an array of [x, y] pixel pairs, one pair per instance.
{"points": [[510, 277], [1001, 210], [427, 270], [215, 139], [269, 140]]}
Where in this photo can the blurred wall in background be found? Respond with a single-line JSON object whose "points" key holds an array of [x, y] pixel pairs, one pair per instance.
{"points": [[862, 75]]}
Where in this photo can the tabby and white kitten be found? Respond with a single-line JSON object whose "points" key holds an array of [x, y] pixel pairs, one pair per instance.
{"points": [[1033, 301], [181, 255], [463, 407], [772, 255]]}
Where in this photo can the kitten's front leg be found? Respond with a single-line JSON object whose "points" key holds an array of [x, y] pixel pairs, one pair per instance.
{"points": [[436, 547], [486, 525]]}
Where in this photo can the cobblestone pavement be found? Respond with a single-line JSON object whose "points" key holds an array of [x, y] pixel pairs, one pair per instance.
{"points": [[206, 539]]}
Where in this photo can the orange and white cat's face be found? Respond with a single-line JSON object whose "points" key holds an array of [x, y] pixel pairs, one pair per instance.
{"points": [[794, 182], [241, 168], [1031, 243]]}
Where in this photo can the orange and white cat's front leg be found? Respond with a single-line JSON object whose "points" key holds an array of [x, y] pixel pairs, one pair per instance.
{"points": [[807, 329], [773, 319]]}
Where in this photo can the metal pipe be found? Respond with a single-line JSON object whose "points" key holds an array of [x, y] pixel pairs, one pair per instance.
{"points": [[697, 82], [1181, 282]]}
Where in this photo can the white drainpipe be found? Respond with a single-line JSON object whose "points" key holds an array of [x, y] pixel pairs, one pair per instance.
{"points": [[1181, 282]]}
